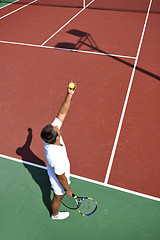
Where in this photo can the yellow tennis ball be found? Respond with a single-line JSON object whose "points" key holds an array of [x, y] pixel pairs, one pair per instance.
{"points": [[71, 85]]}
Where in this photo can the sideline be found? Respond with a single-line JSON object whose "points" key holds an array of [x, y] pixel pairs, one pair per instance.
{"points": [[126, 100]]}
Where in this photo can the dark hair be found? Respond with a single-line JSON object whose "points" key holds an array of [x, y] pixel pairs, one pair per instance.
{"points": [[48, 134]]}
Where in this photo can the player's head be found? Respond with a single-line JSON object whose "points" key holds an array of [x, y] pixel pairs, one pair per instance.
{"points": [[49, 134]]}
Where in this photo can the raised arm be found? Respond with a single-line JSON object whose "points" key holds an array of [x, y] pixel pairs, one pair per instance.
{"points": [[65, 105]]}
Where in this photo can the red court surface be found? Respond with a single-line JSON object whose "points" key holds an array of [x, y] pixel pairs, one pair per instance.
{"points": [[91, 107], [39, 23], [140, 135], [108, 40], [34, 81], [121, 30]]}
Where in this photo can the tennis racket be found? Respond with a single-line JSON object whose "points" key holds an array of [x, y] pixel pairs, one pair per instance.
{"points": [[85, 205]]}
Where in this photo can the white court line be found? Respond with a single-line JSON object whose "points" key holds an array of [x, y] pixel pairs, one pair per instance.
{"points": [[17, 9], [66, 23], [65, 49], [87, 179], [126, 100], [96, 53], [9, 4]]}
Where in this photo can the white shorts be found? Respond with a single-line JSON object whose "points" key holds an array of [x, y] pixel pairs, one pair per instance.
{"points": [[57, 187]]}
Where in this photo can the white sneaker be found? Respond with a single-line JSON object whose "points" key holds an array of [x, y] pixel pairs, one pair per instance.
{"points": [[60, 216]]}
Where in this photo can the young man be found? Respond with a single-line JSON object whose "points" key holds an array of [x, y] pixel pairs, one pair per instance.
{"points": [[58, 165]]}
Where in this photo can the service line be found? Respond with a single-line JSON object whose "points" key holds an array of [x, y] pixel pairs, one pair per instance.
{"points": [[66, 49]]}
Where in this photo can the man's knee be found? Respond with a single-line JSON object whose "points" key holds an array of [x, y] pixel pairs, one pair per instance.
{"points": [[58, 198]]}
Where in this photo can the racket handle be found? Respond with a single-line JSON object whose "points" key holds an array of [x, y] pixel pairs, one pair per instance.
{"points": [[73, 195]]}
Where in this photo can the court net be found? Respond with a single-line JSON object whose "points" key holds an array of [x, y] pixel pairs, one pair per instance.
{"points": [[54, 3], [139, 6]]}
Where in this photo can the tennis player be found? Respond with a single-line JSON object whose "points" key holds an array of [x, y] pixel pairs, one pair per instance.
{"points": [[58, 165]]}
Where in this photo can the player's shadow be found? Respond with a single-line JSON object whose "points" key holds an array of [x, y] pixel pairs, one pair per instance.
{"points": [[39, 175], [85, 39]]}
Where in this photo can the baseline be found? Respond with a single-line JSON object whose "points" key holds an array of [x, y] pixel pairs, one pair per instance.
{"points": [[86, 179], [119, 215]]}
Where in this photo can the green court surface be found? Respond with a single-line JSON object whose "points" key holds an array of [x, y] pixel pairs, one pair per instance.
{"points": [[4, 3], [25, 197]]}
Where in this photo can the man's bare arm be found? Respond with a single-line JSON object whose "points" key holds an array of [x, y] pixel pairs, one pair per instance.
{"points": [[65, 105], [63, 181]]}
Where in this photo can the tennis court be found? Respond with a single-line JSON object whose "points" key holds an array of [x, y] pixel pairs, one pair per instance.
{"points": [[111, 50]]}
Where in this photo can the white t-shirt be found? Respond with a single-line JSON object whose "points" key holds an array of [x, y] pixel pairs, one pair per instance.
{"points": [[56, 157]]}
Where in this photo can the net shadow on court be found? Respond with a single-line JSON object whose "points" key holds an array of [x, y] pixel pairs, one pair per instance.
{"points": [[85, 39]]}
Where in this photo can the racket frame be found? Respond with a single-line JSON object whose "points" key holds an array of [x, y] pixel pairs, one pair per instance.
{"points": [[80, 199]]}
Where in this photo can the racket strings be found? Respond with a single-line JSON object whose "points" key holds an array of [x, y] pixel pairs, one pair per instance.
{"points": [[69, 202], [87, 206]]}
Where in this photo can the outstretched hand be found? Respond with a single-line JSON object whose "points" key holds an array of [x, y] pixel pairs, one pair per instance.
{"points": [[71, 91]]}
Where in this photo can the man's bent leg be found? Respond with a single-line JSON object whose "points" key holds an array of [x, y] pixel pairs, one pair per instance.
{"points": [[56, 203]]}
